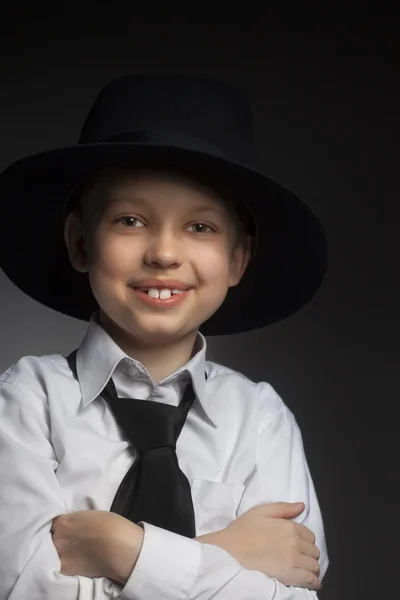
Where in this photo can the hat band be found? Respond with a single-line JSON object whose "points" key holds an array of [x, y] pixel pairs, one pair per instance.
{"points": [[167, 138]]}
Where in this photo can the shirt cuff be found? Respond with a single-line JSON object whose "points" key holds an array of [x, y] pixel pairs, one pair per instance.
{"points": [[167, 566]]}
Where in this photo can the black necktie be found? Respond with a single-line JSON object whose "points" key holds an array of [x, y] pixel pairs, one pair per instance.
{"points": [[154, 489]]}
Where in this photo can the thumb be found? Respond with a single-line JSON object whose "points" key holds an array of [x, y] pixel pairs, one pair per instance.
{"points": [[281, 510]]}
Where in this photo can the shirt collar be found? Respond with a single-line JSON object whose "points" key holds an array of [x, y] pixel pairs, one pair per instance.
{"points": [[98, 356]]}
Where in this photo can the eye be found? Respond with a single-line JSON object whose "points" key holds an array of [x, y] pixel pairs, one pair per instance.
{"points": [[202, 225], [130, 219]]}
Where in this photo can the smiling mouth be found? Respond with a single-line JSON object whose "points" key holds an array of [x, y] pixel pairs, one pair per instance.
{"points": [[161, 293], [160, 297]]}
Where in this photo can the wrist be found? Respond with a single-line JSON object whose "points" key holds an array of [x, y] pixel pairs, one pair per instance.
{"points": [[209, 538], [129, 547]]}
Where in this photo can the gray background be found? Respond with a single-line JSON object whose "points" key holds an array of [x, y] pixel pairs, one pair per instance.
{"points": [[326, 97]]}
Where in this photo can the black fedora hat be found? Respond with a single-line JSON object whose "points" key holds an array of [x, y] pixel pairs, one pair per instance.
{"points": [[184, 122]]}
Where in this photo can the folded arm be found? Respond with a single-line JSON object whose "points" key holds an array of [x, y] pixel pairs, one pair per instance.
{"points": [[30, 498]]}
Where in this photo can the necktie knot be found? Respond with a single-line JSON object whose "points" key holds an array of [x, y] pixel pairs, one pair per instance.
{"points": [[147, 424]]}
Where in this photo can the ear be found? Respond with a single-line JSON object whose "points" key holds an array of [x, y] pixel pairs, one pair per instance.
{"points": [[240, 259], [76, 244]]}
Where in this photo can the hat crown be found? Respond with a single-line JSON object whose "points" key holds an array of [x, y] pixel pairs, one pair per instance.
{"points": [[208, 113]]}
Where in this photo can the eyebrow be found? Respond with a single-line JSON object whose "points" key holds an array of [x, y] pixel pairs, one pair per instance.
{"points": [[198, 208]]}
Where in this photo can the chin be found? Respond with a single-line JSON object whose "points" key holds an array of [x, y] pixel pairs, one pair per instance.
{"points": [[147, 326]]}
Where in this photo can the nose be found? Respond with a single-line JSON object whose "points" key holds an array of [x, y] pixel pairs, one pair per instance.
{"points": [[164, 250]]}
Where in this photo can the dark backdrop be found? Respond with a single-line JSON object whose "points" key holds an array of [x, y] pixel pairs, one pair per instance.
{"points": [[326, 97]]}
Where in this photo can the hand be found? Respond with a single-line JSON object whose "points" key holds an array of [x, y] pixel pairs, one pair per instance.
{"points": [[97, 543], [264, 539]]}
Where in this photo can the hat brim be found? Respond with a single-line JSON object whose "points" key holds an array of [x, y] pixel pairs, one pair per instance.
{"points": [[287, 271]]}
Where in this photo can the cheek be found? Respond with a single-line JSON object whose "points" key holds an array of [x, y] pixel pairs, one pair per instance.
{"points": [[212, 263], [112, 258]]}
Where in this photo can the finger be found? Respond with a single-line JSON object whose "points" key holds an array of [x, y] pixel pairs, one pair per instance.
{"points": [[281, 509], [309, 549], [306, 579], [308, 564], [56, 524], [305, 533]]}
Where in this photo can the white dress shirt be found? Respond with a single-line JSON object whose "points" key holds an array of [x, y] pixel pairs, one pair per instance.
{"points": [[62, 451]]}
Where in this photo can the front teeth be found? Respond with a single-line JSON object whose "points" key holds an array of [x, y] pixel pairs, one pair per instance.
{"points": [[163, 294]]}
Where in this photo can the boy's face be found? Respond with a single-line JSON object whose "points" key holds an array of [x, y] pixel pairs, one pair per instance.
{"points": [[157, 225]]}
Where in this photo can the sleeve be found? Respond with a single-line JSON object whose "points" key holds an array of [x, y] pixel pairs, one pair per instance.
{"points": [[172, 566], [30, 498]]}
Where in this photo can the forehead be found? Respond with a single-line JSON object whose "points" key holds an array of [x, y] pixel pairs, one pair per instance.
{"points": [[158, 184]]}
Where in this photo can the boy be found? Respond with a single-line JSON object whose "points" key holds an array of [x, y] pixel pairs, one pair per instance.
{"points": [[141, 470]]}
